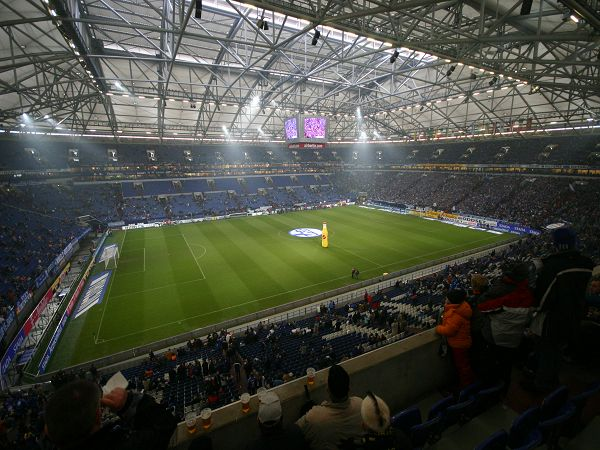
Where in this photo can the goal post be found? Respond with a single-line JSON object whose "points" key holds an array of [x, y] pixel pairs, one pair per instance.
{"points": [[109, 253]]}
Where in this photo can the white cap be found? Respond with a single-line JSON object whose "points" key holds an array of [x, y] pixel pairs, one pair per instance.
{"points": [[374, 420], [269, 409]]}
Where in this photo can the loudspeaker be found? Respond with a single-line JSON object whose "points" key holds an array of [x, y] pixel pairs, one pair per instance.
{"points": [[198, 13], [526, 7]]}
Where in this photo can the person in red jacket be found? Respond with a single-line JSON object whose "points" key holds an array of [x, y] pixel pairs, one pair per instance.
{"points": [[456, 326]]}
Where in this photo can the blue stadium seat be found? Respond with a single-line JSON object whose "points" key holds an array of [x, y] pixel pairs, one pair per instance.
{"points": [[553, 402], [439, 408], [496, 441], [488, 397], [552, 427], [405, 420], [580, 401], [425, 433], [524, 432]]}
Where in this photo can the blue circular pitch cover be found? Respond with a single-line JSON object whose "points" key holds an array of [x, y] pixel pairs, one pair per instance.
{"points": [[305, 232]]}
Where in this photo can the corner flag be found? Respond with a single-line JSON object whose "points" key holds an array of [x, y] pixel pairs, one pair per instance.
{"points": [[325, 236]]}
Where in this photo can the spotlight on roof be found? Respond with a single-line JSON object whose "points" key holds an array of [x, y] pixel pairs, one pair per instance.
{"points": [[450, 70], [316, 37], [262, 24], [394, 57]]}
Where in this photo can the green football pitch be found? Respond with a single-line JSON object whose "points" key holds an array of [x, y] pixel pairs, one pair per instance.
{"points": [[174, 279]]}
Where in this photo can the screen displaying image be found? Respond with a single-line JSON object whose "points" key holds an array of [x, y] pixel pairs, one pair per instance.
{"points": [[291, 129], [315, 127]]}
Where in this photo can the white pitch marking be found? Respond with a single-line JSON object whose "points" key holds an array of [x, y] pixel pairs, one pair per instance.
{"points": [[110, 283], [193, 256]]}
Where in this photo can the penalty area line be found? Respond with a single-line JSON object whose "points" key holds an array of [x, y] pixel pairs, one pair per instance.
{"points": [[193, 255], [112, 278]]}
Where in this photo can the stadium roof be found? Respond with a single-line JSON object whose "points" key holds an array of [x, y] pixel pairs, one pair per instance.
{"points": [[380, 69]]}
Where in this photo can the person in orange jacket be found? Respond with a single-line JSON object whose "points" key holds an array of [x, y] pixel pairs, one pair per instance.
{"points": [[456, 326]]}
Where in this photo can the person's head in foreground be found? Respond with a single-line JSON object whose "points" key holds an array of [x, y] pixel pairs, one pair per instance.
{"points": [[338, 384], [375, 413], [269, 412]]}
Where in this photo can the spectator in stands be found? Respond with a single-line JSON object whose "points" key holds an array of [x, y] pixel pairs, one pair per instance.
{"points": [[73, 419], [508, 307], [326, 425], [456, 326], [379, 435], [588, 352], [272, 433], [593, 296], [560, 292], [478, 354]]}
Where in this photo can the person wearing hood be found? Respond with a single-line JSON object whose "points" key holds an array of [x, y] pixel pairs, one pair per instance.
{"points": [[508, 305], [456, 327], [560, 295]]}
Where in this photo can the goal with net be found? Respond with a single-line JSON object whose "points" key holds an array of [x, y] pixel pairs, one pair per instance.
{"points": [[109, 253]]}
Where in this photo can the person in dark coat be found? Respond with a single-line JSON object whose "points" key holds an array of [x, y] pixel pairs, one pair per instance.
{"points": [[73, 418], [560, 295], [480, 347]]}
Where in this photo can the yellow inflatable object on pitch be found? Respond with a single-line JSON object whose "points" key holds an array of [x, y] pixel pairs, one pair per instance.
{"points": [[325, 236]]}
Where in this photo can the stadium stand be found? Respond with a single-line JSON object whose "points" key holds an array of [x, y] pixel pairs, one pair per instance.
{"points": [[567, 150], [38, 222]]}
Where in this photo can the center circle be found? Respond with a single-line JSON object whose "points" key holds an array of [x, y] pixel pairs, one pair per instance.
{"points": [[305, 232]]}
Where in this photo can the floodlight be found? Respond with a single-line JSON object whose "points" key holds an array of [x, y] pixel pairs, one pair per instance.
{"points": [[316, 37]]}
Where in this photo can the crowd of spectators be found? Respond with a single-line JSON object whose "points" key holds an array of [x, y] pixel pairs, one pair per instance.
{"points": [[230, 364], [533, 201], [31, 237], [223, 364]]}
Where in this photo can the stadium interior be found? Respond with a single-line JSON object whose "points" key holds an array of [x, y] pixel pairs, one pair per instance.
{"points": [[149, 146]]}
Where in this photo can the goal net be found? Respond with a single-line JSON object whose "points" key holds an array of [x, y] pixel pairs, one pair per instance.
{"points": [[109, 253]]}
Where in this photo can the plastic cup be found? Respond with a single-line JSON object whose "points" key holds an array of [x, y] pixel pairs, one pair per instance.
{"points": [[310, 375], [245, 399], [190, 422], [206, 416]]}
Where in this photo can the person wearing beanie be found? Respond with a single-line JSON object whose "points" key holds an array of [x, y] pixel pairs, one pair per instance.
{"points": [[273, 436], [560, 297], [379, 435], [327, 425], [456, 326]]}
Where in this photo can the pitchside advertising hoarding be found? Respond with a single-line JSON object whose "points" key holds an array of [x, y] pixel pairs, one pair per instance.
{"points": [[30, 323], [72, 302]]}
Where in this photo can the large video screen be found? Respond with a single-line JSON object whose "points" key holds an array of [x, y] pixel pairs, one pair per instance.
{"points": [[291, 129], [315, 127]]}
